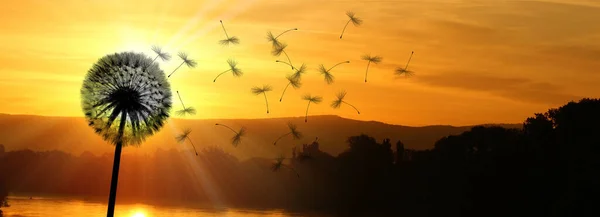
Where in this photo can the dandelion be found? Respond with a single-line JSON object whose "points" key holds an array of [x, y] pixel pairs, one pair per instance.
{"points": [[188, 62], [186, 110], [340, 99], [294, 80], [164, 56], [311, 99], [371, 59], [237, 138], [263, 90], [355, 20], [293, 131], [329, 78], [404, 71], [186, 135], [232, 68], [125, 88], [228, 40]]}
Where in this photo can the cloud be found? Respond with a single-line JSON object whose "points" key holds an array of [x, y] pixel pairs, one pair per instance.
{"points": [[520, 89]]}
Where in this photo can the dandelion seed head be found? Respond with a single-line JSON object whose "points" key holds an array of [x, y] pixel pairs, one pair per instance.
{"points": [[126, 86]]}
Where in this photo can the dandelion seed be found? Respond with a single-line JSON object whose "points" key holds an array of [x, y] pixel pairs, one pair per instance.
{"points": [[164, 56], [294, 80], [293, 131], [311, 99], [355, 20], [228, 40], [236, 72], [263, 90], [186, 110], [340, 99], [186, 135], [329, 78], [404, 71], [188, 62], [237, 138], [370, 59]]}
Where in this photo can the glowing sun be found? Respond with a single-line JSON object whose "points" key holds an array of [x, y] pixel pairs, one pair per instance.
{"points": [[138, 214]]}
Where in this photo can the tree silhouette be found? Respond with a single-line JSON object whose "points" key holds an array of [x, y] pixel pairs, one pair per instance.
{"points": [[293, 131], [273, 39], [164, 56], [311, 99], [329, 78], [228, 40], [294, 79], [279, 49], [186, 135], [370, 59], [188, 62], [355, 20], [186, 110], [237, 138], [126, 88], [404, 71], [263, 90], [232, 68], [278, 164], [340, 99]]}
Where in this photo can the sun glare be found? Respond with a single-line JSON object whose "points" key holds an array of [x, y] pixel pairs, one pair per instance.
{"points": [[138, 214]]}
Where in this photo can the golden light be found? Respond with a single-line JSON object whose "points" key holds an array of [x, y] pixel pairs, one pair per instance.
{"points": [[138, 214]]}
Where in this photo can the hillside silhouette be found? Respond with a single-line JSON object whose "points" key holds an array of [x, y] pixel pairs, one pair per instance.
{"points": [[549, 167], [71, 134]]}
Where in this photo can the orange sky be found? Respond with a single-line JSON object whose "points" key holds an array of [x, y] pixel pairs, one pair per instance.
{"points": [[475, 61]]}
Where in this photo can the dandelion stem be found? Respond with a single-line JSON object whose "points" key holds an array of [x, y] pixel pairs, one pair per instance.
{"points": [[224, 29], [176, 69], [221, 74], [284, 89], [284, 62], [180, 100], [281, 137], [266, 102], [411, 54], [227, 127], [337, 65], [285, 32], [154, 59], [367, 71], [351, 106], [193, 146], [117, 162], [345, 28], [306, 115], [288, 57]]}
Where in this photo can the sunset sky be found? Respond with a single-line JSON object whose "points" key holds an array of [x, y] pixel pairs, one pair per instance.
{"points": [[486, 61]]}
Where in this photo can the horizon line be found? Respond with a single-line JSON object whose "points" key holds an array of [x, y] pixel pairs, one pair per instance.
{"points": [[287, 117]]}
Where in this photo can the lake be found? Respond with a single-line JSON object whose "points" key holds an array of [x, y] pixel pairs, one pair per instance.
{"points": [[57, 207]]}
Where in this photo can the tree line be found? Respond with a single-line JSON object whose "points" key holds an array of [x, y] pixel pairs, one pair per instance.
{"points": [[549, 167]]}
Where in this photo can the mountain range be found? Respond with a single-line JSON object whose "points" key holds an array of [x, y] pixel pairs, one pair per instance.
{"points": [[72, 135]]}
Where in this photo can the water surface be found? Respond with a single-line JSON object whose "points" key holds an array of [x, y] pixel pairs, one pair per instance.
{"points": [[60, 207]]}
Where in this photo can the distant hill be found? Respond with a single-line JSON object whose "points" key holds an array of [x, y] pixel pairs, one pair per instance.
{"points": [[71, 134]]}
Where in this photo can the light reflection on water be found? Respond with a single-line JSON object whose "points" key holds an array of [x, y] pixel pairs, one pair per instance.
{"points": [[52, 207]]}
